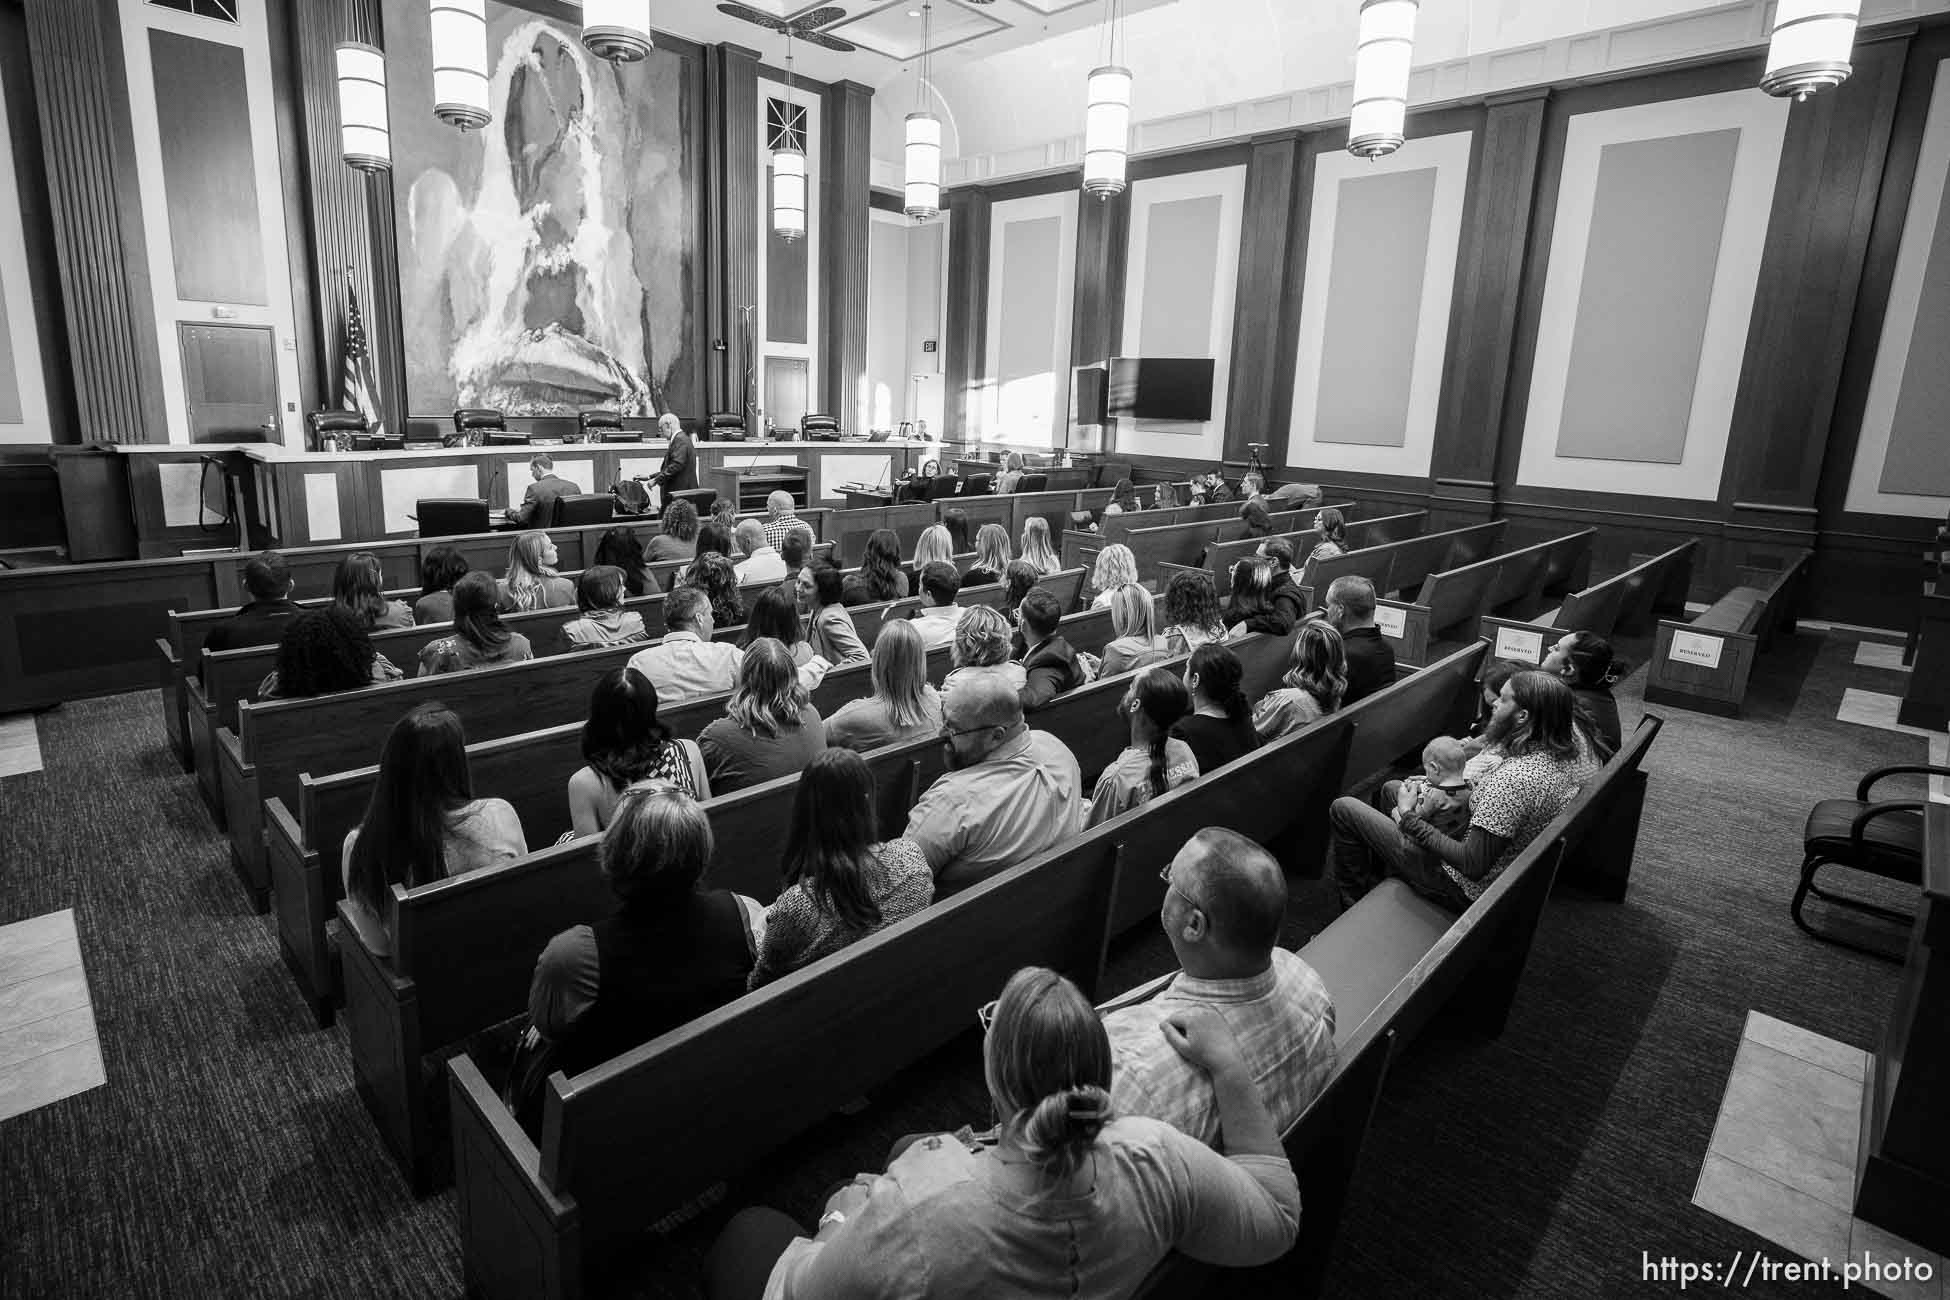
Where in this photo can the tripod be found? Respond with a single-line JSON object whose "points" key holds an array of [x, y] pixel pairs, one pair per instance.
{"points": [[1254, 465]]}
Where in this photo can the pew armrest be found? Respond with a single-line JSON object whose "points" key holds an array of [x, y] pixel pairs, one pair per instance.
{"points": [[243, 814], [518, 1238]]}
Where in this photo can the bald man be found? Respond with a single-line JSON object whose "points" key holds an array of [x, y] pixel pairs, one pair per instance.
{"points": [[1225, 902], [780, 520], [762, 562], [1008, 794]]}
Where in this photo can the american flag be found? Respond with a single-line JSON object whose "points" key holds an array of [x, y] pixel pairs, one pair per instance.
{"points": [[359, 385]]}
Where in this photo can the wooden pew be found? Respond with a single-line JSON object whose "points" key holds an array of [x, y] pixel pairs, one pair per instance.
{"points": [[1598, 608], [1705, 664], [1176, 536], [1450, 605]]}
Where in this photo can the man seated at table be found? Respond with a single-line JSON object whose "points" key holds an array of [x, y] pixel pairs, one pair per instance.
{"points": [[1225, 902], [264, 617], [939, 615], [762, 562], [1009, 793], [687, 664], [537, 508]]}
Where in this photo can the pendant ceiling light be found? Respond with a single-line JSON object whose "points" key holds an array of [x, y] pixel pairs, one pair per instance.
{"points": [[1381, 62], [460, 79], [1810, 48], [789, 165], [617, 30], [921, 199], [1107, 116], [365, 140]]}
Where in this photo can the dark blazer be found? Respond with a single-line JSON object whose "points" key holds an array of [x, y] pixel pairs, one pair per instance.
{"points": [[262, 622], [537, 508], [1053, 669], [679, 470], [1370, 663]]}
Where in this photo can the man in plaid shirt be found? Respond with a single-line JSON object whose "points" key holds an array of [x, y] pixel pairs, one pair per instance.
{"points": [[1223, 911], [782, 522]]}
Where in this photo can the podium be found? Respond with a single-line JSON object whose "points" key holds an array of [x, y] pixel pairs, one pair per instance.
{"points": [[748, 488]]}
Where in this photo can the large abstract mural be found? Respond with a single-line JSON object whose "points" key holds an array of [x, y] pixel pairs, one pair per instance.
{"points": [[546, 262]]}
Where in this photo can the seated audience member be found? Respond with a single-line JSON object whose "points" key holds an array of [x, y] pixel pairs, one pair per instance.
{"points": [[1440, 796], [480, 639], [1370, 659], [1049, 664], [833, 634], [842, 882], [770, 728], [1332, 530], [439, 571], [935, 546], [1166, 497], [1483, 746], [1008, 794], [1123, 499], [903, 707], [955, 520], [1069, 1198], [263, 618], [359, 588], [773, 615], [1217, 489], [422, 823], [1116, 567], [1543, 768], [1289, 602], [1251, 608], [712, 574], [1585, 661], [1020, 576], [687, 664], [880, 576], [725, 514], [992, 557], [322, 652], [1011, 473], [678, 538], [795, 551], [939, 615], [1191, 614], [780, 519], [1220, 725], [622, 744], [981, 648], [1137, 643], [1036, 549], [669, 953], [620, 547], [1251, 486], [713, 538], [762, 562], [1155, 761], [1224, 906], [1313, 687], [1301, 494], [604, 621], [532, 582], [1258, 522]]}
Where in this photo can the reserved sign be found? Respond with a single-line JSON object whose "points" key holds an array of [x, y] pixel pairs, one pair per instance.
{"points": [[1392, 622], [1695, 648], [1517, 643]]}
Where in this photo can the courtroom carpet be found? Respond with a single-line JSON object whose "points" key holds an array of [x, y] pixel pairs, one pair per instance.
{"points": [[229, 1155]]}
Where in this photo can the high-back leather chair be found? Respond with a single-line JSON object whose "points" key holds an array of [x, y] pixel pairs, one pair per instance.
{"points": [[820, 428], [339, 424], [599, 426], [584, 508], [1033, 483], [701, 499], [945, 486], [977, 485], [451, 516], [472, 424], [725, 426]]}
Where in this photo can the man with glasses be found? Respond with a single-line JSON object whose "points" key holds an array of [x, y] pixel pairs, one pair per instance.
{"points": [[1008, 794], [1225, 901]]}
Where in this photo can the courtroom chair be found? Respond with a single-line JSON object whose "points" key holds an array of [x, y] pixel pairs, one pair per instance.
{"points": [[586, 508], [701, 499], [913, 489], [603, 426], [820, 428], [339, 424], [451, 516], [473, 423], [1882, 838], [725, 426], [945, 486], [977, 485], [1033, 483]]}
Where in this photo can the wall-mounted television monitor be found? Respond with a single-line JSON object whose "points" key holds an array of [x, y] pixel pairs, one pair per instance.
{"points": [[1161, 388]]}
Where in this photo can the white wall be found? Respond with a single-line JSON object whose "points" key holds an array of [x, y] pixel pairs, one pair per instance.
{"points": [[27, 398]]}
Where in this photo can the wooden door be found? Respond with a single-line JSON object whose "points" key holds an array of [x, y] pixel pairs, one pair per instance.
{"points": [[230, 379]]}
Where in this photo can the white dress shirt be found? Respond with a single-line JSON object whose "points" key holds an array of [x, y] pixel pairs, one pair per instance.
{"points": [[762, 565], [684, 667], [1024, 797]]}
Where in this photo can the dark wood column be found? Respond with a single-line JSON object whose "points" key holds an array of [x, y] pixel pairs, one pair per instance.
{"points": [[1259, 369], [1489, 288], [81, 92], [967, 310], [1097, 312], [731, 180], [847, 182]]}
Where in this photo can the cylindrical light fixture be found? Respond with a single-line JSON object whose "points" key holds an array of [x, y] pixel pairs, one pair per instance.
{"points": [[788, 192], [1106, 130], [617, 30], [922, 198], [1381, 62], [365, 139], [1810, 48], [460, 62]]}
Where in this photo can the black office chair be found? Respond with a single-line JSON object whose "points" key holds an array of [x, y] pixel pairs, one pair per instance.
{"points": [[472, 424], [1033, 483], [977, 485], [342, 425], [599, 426], [914, 489], [451, 516], [945, 486], [701, 499], [587, 508], [725, 426], [1882, 838], [820, 428]]}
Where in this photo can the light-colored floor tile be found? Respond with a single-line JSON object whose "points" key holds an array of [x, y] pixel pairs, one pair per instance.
{"points": [[1874, 709], [18, 967], [1807, 1045], [63, 1029], [43, 996], [1809, 1147], [20, 745], [1792, 1220], [1892, 1266], [37, 931], [1875, 654], [1761, 1066], [50, 1077]]}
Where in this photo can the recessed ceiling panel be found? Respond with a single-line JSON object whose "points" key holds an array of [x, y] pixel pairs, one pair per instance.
{"points": [[894, 30]]}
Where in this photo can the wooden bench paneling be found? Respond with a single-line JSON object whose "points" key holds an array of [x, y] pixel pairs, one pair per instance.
{"points": [[1705, 664]]}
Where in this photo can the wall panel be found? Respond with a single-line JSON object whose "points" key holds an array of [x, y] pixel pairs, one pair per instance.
{"points": [[1032, 275], [23, 394]]}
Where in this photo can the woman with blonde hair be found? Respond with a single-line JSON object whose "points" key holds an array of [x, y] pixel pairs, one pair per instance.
{"points": [[935, 544], [1134, 625], [992, 556], [1011, 473], [903, 705], [1116, 566], [1036, 548], [981, 648], [1312, 687], [532, 582], [770, 728], [1067, 1198]]}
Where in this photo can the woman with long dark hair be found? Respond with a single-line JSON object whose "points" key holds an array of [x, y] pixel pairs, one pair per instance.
{"points": [[1258, 522], [713, 538], [1586, 663], [1191, 613], [604, 621], [770, 728], [955, 520], [712, 573], [678, 538], [773, 614], [439, 571], [1155, 761], [532, 582], [423, 822], [832, 633], [480, 639], [842, 882], [1311, 689], [1220, 726], [880, 576], [624, 743], [1123, 499], [1332, 530], [322, 652], [622, 548], [359, 588]]}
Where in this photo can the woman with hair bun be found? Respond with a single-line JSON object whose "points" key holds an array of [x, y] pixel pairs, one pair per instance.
{"points": [[1156, 760], [1065, 1199]]}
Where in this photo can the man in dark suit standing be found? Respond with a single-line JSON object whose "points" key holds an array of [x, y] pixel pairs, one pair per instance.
{"points": [[1047, 658], [679, 470], [1370, 659], [537, 508], [263, 620]]}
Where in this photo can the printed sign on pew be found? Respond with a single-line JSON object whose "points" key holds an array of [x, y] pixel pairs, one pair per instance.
{"points": [[1519, 644], [1393, 622], [1694, 648]]}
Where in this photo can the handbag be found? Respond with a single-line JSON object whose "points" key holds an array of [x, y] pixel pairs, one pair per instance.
{"points": [[535, 1060]]}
